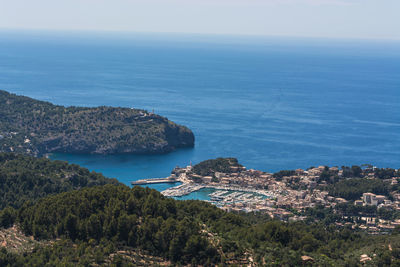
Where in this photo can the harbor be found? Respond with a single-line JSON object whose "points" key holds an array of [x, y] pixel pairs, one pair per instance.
{"points": [[182, 190], [230, 197], [242, 195]]}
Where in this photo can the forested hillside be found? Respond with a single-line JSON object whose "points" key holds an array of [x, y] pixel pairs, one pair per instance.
{"points": [[35, 127], [210, 166], [24, 178], [115, 224], [54, 213]]}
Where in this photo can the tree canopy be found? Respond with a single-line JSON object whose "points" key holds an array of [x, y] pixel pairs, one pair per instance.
{"points": [[209, 167], [36, 127], [24, 178]]}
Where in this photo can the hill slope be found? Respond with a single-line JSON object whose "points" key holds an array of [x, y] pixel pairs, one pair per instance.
{"points": [[106, 223], [114, 225], [24, 178], [36, 127]]}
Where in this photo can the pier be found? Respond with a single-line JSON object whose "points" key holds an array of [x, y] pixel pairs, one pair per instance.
{"points": [[154, 181]]}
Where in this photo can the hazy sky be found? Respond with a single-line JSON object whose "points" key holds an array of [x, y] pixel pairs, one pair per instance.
{"points": [[315, 18]]}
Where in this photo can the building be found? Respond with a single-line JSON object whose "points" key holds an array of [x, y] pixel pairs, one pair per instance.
{"points": [[372, 199], [367, 198], [358, 203]]}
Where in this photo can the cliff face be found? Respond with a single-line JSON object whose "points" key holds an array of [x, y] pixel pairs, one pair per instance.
{"points": [[35, 127]]}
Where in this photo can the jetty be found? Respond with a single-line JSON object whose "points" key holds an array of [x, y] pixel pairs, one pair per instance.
{"points": [[154, 181]]}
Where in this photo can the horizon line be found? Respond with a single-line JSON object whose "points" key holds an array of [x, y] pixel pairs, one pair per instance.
{"points": [[242, 35]]}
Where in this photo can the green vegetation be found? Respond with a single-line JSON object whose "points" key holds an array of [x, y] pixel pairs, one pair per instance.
{"points": [[386, 173], [354, 181], [95, 224], [24, 178], [353, 171], [353, 188], [279, 175], [209, 167], [36, 127], [79, 218], [67, 253], [139, 218]]}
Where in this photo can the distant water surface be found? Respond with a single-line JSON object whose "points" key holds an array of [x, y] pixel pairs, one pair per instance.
{"points": [[273, 103]]}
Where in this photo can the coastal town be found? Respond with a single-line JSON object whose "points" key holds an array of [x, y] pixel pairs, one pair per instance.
{"points": [[287, 195]]}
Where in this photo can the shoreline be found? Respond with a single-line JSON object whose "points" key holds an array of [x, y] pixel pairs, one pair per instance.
{"points": [[188, 186]]}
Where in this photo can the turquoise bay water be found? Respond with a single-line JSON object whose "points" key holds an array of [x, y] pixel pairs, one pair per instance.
{"points": [[162, 186], [202, 194], [272, 103]]}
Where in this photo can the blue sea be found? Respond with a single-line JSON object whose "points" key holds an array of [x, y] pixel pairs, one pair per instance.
{"points": [[273, 103]]}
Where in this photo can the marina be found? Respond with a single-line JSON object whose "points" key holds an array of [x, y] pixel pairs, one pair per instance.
{"points": [[182, 190], [238, 189], [230, 197], [217, 195]]}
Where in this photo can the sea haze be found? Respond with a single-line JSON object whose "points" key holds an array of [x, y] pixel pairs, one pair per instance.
{"points": [[274, 103]]}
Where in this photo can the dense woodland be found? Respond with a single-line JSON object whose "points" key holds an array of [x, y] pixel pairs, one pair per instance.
{"points": [[353, 188], [84, 219], [24, 178], [102, 220], [36, 127], [356, 180], [209, 167]]}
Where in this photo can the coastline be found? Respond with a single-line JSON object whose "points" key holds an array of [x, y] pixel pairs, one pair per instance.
{"points": [[188, 187]]}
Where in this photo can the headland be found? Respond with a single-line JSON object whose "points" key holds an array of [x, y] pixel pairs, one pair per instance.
{"points": [[36, 128]]}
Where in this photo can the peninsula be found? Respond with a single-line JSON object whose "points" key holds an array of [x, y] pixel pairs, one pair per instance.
{"points": [[35, 128]]}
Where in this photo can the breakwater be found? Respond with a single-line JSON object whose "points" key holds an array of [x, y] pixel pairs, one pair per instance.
{"points": [[153, 181]]}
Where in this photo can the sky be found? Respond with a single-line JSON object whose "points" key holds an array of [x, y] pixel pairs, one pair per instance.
{"points": [[365, 19]]}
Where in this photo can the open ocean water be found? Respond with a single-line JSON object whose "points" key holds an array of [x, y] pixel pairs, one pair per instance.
{"points": [[273, 103]]}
